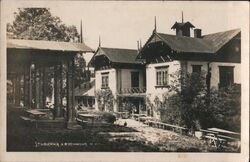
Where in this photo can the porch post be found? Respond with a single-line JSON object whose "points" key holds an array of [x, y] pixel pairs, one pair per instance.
{"points": [[70, 93], [37, 84], [17, 89], [58, 100], [44, 85], [41, 105], [26, 86]]}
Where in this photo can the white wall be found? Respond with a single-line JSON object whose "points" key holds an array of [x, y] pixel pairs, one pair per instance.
{"points": [[215, 70], [151, 77], [125, 79], [112, 83], [153, 91], [174, 66]]}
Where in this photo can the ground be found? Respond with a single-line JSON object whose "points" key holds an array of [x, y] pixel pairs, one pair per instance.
{"points": [[135, 136]]}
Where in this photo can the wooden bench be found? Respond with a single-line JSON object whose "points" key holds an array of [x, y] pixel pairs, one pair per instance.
{"points": [[26, 118], [161, 125]]}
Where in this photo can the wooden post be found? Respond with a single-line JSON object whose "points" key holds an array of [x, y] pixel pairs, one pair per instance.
{"points": [[37, 84], [58, 89], [44, 86], [17, 87], [26, 86], [41, 87], [70, 93]]}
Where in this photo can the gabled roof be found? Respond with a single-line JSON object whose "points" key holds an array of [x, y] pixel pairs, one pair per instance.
{"points": [[218, 40], [207, 44], [118, 55], [47, 45]]}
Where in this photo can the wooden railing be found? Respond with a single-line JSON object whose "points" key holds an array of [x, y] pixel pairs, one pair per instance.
{"points": [[132, 90]]}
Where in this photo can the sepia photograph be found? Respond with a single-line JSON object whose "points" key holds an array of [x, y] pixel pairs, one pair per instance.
{"points": [[116, 77]]}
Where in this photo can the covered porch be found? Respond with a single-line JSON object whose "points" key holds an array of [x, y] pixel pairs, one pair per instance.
{"points": [[41, 73]]}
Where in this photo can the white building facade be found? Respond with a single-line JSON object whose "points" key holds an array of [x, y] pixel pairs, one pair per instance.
{"points": [[118, 71], [218, 54]]}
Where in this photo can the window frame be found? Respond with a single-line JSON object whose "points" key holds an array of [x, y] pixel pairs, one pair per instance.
{"points": [[162, 76], [199, 71], [105, 80], [227, 84]]}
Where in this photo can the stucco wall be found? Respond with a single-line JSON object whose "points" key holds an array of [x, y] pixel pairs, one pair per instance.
{"points": [[151, 77], [112, 83], [174, 66], [215, 70], [125, 80]]}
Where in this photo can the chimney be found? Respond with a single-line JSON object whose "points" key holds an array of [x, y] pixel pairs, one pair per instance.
{"points": [[197, 33]]}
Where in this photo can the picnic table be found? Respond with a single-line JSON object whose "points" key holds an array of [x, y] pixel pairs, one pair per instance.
{"points": [[36, 113], [137, 116], [218, 137], [86, 118], [145, 118]]}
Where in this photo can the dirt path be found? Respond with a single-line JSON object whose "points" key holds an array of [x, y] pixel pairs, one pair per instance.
{"points": [[163, 139]]}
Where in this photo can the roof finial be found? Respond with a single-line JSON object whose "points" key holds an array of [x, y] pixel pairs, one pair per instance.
{"points": [[182, 19], [99, 41], [81, 38], [155, 25], [138, 47]]}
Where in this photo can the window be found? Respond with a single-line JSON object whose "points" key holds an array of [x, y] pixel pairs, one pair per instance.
{"points": [[134, 79], [226, 76], [196, 69], [162, 76], [105, 80]]}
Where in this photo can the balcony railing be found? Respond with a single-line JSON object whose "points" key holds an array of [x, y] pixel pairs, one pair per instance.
{"points": [[132, 90]]}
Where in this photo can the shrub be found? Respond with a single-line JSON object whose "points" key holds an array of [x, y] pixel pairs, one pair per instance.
{"points": [[105, 100]]}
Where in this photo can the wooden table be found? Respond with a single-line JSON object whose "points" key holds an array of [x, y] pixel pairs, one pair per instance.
{"points": [[218, 137], [37, 114]]}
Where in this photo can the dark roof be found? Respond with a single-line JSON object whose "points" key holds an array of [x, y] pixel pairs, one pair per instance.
{"points": [[47, 45], [119, 55], [84, 88], [218, 40], [207, 44], [181, 25], [186, 44]]}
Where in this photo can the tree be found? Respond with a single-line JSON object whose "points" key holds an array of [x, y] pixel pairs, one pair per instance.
{"points": [[105, 100], [81, 73], [178, 108], [224, 110], [188, 104], [39, 24]]}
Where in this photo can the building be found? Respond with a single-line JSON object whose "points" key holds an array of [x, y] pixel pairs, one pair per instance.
{"points": [[85, 94], [217, 54], [118, 71], [38, 69]]}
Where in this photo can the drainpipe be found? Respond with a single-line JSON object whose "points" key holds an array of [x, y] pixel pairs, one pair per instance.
{"points": [[208, 82]]}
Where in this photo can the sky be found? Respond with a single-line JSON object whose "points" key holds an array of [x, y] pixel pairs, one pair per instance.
{"points": [[120, 24]]}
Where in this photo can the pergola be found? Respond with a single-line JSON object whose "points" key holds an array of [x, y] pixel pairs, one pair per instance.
{"points": [[34, 65]]}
